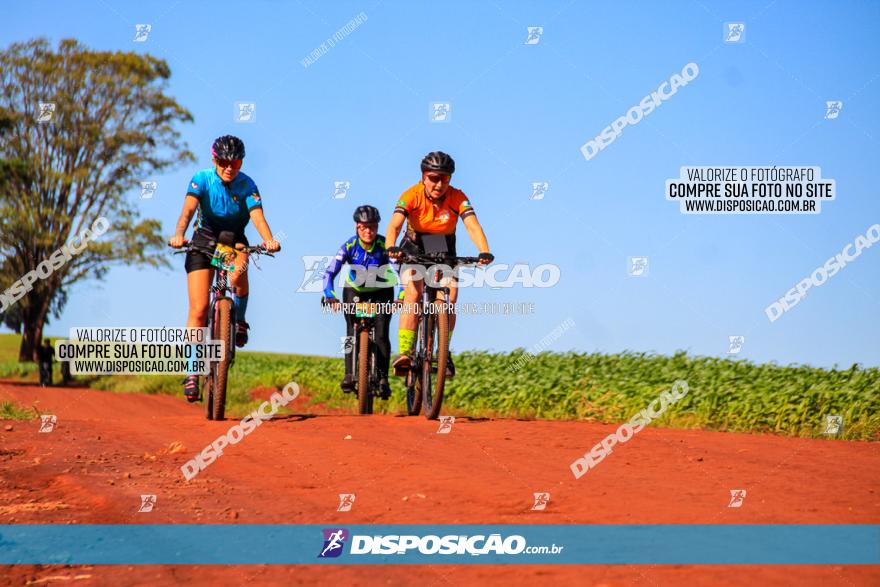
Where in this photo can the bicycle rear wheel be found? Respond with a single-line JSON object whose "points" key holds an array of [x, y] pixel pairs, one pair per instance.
{"points": [[222, 331], [209, 393], [365, 394]]}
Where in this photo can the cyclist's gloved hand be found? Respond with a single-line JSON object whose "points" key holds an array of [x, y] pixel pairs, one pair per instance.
{"points": [[272, 246], [177, 241], [486, 258], [394, 253], [332, 302]]}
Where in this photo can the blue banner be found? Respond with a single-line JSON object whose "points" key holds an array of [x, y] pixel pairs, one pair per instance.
{"points": [[183, 544]]}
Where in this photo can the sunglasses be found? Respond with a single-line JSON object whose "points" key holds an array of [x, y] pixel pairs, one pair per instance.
{"points": [[372, 227], [234, 163], [437, 178]]}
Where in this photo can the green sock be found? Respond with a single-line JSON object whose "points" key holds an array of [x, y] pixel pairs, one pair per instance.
{"points": [[405, 340]]}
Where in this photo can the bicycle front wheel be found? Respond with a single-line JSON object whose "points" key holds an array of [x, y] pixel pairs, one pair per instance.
{"points": [[365, 394], [222, 331], [435, 359]]}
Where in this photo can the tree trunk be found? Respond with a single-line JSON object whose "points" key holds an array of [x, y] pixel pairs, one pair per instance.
{"points": [[33, 320], [30, 340]]}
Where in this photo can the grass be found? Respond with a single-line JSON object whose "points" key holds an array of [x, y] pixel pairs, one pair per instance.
{"points": [[724, 394], [12, 411]]}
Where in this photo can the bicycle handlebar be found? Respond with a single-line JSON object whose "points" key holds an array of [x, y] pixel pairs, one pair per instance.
{"points": [[209, 250], [437, 258]]}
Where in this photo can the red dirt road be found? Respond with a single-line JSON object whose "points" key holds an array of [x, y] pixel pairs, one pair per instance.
{"points": [[108, 448]]}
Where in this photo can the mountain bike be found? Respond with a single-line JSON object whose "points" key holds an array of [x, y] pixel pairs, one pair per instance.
{"points": [[427, 376], [221, 315], [362, 353]]}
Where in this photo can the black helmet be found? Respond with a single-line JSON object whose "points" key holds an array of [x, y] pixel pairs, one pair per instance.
{"points": [[438, 161], [228, 147], [366, 215]]}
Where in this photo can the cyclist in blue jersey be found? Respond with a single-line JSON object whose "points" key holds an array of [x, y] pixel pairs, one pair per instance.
{"points": [[370, 279], [226, 200]]}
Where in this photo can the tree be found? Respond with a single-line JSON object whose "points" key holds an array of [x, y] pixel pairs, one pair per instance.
{"points": [[112, 125]]}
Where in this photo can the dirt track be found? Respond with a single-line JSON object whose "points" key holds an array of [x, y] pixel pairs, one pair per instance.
{"points": [[107, 449]]}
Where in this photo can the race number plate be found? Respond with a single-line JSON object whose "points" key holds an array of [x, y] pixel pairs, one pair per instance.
{"points": [[224, 258], [365, 310]]}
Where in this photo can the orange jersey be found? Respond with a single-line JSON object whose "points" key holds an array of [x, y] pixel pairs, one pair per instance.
{"points": [[426, 217]]}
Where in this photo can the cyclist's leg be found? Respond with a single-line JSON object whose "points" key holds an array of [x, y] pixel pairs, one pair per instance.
{"points": [[239, 278], [199, 285], [198, 280], [384, 297], [348, 299], [406, 332], [452, 284], [453, 298]]}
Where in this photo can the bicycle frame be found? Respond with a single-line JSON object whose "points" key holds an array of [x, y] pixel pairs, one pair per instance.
{"points": [[220, 290], [368, 324], [430, 295], [422, 390]]}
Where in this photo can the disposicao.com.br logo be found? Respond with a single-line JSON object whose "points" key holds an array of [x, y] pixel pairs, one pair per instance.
{"points": [[455, 544]]}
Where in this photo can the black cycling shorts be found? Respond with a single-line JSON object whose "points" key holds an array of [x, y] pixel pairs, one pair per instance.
{"points": [[195, 260]]}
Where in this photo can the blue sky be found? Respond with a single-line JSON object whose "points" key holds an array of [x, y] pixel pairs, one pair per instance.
{"points": [[519, 115]]}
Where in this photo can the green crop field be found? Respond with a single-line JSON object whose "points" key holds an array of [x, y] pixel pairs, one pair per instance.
{"points": [[724, 394]]}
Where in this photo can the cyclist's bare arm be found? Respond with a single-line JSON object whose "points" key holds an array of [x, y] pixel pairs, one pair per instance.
{"points": [[190, 205], [262, 227], [393, 230], [475, 231]]}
